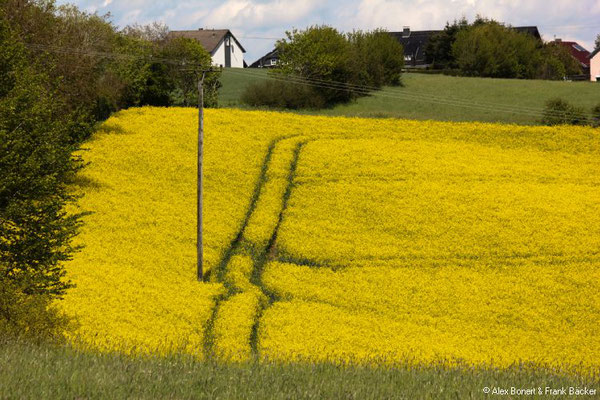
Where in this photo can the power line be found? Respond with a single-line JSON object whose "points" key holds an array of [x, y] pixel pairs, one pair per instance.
{"points": [[406, 92], [110, 55], [260, 38], [576, 26], [370, 92], [399, 94], [395, 93]]}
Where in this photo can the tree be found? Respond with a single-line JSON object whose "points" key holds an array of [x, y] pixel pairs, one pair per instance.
{"points": [[597, 43], [336, 68], [556, 62], [155, 32], [320, 53], [438, 50], [194, 58], [35, 159], [490, 49], [378, 58]]}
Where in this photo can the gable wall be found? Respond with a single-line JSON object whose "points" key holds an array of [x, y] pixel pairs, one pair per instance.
{"points": [[595, 68], [237, 56]]}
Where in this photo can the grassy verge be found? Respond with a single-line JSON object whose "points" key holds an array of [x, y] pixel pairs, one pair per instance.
{"points": [[48, 372], [451, 97]]}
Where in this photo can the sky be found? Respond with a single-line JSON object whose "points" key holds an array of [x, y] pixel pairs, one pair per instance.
{"points": [[258, 23]]}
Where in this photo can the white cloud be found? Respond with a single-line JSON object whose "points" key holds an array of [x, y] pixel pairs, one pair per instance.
{"points": [[576, 20], [247, 14], [571, 20]]}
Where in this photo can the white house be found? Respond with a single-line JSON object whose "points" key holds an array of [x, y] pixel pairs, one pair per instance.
{"points": [[224, 48], [595, 66]]}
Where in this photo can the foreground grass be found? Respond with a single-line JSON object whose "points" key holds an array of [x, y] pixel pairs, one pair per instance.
{"points": [[526, 96], [51, 372]]}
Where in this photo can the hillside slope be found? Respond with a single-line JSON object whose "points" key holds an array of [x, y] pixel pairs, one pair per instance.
{"points": [[443, 98], [461, 243]]}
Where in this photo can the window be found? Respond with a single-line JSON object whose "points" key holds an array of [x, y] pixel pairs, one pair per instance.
{"points": [[578, 47], [232, 47]]}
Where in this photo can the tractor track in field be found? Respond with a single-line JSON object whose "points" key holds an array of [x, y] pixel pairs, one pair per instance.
{"points": [[260, 257], [268, 252], [221, 269]]}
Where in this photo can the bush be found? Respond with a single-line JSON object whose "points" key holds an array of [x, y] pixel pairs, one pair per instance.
{"points": [[596, 116], [489, 49], [282, 95], [560, 112], [343, 67], [378, 58], [31, 317], [492, 50], [321, 53], [157, 83]]}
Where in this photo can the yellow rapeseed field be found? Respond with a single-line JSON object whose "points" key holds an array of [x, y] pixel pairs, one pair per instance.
{"points": [[342, 239]]}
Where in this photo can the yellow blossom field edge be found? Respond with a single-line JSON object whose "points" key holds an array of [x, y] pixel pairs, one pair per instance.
{"points": [[136, 276]]}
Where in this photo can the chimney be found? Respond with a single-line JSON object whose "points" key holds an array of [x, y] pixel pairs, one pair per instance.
{"points": [[406, 31], [200, 29], [558, 40]]}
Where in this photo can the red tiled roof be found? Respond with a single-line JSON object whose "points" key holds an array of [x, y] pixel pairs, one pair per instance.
{"points": [[578, 52]]}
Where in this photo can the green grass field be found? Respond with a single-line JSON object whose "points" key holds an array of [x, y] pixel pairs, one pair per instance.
{"points": [[445, 98], [51, 372]]}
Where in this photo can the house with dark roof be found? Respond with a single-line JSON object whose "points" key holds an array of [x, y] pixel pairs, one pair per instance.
{"points": [[595, 65], [269, 60], [581, 55], [224, 48], [415, 42], [530, 30]]}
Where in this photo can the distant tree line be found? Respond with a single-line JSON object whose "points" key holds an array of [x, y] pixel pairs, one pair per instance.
{"points": [[61, 71], [335, 67], [487, 48]]}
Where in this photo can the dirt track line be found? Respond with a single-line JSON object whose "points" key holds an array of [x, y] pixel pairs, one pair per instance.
{"points": [[221, 269], [268, 253]]}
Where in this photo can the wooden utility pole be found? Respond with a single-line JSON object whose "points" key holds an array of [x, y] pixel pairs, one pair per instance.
{"points": [[199, 243]]}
